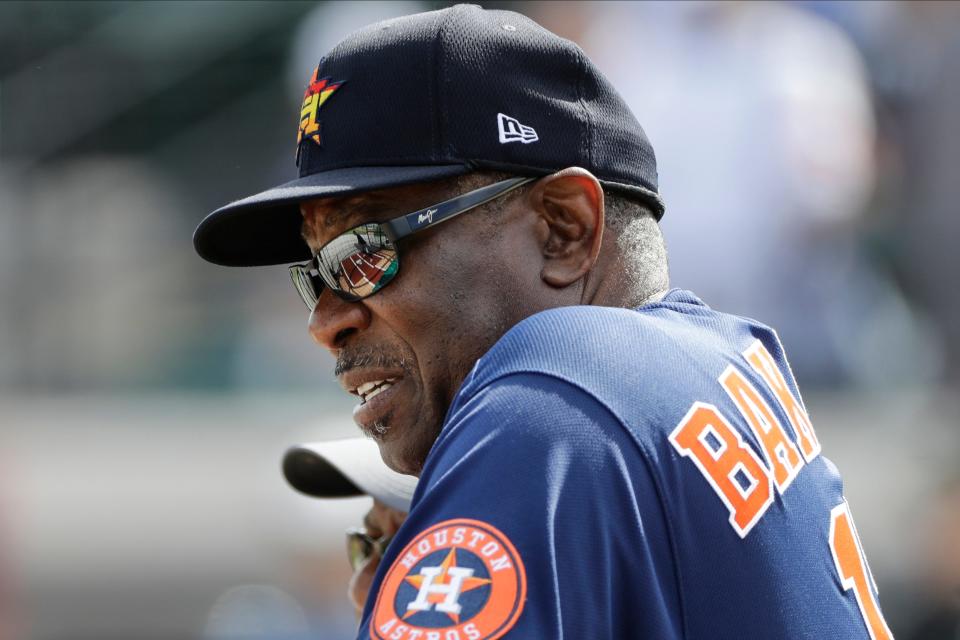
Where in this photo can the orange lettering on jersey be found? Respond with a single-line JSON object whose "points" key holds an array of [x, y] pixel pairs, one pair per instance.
{"points": [[780, 451], [731, 467], [763, 363]]}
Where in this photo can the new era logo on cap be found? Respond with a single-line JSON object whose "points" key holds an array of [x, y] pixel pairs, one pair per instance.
{"points": [[512, 131]]}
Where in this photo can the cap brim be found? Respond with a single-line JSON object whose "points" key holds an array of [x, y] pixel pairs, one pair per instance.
{"points": [[264, 228], [345, 468]]}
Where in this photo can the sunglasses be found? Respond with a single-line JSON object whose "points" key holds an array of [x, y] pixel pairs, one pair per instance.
{"points": [[361, 546], [362, 261]]}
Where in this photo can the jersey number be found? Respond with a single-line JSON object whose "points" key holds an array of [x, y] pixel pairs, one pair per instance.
{"points": [[854, 574]]}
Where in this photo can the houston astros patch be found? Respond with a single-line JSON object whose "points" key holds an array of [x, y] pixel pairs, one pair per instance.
{"points": [[458, 580]]}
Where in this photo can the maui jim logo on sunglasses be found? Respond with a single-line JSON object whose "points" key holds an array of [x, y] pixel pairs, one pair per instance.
{"points": [[426, 217]]}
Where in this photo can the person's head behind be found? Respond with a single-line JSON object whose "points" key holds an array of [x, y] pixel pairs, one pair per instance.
{"points": [[381, 523], [348, 468], [557, 241]]}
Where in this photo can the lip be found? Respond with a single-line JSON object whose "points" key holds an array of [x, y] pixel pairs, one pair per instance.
{"points": [[367, 414]]}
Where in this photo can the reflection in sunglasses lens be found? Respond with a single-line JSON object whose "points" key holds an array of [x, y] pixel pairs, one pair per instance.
{"points": [[365, 272], [358, 262]]}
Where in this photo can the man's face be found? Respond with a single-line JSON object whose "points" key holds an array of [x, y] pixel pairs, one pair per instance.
{"points": [[461, 285]]}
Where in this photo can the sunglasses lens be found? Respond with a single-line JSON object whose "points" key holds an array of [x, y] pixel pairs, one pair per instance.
{"points": [[358, 263], [358, 550]]}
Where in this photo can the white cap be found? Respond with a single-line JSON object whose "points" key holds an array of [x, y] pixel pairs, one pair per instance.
{"points": [[345, 468]]}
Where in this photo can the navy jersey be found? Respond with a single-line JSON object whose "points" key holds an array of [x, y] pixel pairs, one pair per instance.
{"points": [[617, 473]]}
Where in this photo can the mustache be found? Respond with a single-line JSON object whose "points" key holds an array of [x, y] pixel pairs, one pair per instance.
{"points": [[366, 357]]}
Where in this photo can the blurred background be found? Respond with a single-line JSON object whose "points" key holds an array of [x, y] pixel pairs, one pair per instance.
{"points": [[808, 155]]}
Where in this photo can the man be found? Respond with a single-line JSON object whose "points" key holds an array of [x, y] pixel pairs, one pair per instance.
{"points": [[598, 457], [350, 468]]}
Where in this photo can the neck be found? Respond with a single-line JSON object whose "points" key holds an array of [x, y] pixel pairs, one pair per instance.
{"points": [[611, 284]]}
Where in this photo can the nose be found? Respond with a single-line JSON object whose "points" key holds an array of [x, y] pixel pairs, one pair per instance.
{"points": [[334, 320]]}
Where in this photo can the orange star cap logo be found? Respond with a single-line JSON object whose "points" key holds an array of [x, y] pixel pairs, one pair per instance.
{"points": [[318, 91], [459, 579]]}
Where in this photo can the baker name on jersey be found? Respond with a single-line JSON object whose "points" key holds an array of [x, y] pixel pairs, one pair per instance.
{"points": [[743, 479]]}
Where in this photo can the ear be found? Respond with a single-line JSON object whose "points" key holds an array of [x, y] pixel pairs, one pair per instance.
{"points": [[570, 206]]}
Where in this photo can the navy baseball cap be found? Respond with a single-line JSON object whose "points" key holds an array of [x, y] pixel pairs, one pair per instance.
{"points": [[436, 95]]}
